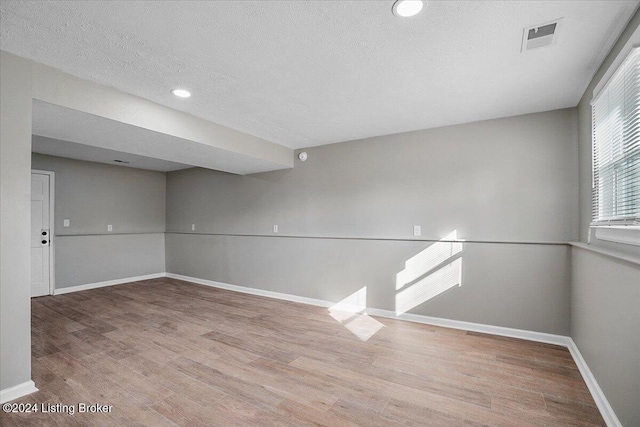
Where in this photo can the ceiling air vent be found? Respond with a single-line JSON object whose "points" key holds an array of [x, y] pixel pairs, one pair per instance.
{"points": [[541, 35]]}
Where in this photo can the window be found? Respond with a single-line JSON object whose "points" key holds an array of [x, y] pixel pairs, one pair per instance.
{"points": [[616, 147]]}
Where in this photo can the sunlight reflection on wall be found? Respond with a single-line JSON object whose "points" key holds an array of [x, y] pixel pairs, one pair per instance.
{"points": [[431, 272]]}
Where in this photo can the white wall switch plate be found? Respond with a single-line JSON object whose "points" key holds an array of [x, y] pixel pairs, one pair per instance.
{"points": [[109, 227], [417, 230], [193, 227], [275, 228], [65, 222]]}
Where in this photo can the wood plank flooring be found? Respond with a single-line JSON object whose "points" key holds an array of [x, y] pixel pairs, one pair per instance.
{"points": [[165, 353]]}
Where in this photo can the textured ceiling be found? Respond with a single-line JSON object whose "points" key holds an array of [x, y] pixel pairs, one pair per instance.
{"points": [[304, 73]]}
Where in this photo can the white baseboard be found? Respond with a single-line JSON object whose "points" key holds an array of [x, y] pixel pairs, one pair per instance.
{"points": [[252, 291], [605, 408], [436, 321], [78, 288], [12, 393], [474, 327]]}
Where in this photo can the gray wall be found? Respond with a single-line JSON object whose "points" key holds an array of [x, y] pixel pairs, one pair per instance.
{"points": [[605, 324], [512, 179], [91, 259], [605, 292], [517, 286], [15, 252], [92, 195], [507, 180]]}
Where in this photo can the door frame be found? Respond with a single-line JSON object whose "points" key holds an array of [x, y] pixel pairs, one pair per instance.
{"points": [[52, 250]]}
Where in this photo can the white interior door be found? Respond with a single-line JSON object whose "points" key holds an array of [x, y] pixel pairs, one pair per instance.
{"points": [[40, 235]]}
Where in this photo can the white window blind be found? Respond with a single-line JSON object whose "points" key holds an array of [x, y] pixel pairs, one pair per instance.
{"points": [[616, 145]]}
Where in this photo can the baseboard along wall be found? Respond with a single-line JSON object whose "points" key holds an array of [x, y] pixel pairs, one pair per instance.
{"points": [[12, 393], [607, 412], [436, 321], [68, 289]]}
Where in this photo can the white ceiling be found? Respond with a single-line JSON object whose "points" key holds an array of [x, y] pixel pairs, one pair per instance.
{"points": [[304, 73], [72, 150]]}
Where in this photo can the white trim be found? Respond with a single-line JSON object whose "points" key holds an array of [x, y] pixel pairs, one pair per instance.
{"points": [[633, 223], [252, 291], [626, 234], [474, 327], [88, 286], [382, 239], [12, 393], [632, 43], [602, 403], [436, 321], [607, 252], [52, 224]]}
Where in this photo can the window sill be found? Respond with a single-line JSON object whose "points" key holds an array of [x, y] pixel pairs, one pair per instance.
{"points": [[625, 234], [607, 252]]}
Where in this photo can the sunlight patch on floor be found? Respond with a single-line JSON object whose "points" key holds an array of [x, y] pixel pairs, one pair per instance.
{"points": [[349, 312]]}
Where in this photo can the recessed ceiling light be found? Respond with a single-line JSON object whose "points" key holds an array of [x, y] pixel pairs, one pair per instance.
{"points": [[181, 93], [406, 8]]}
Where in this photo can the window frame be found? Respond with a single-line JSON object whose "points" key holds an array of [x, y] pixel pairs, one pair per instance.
{"points": [[626, 230]]}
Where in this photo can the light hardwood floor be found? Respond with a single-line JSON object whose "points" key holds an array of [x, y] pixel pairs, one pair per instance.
{"points": [[165, 352]]}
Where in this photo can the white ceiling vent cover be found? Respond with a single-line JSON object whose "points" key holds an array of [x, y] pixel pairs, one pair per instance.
{"points": [[541, 35]]}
